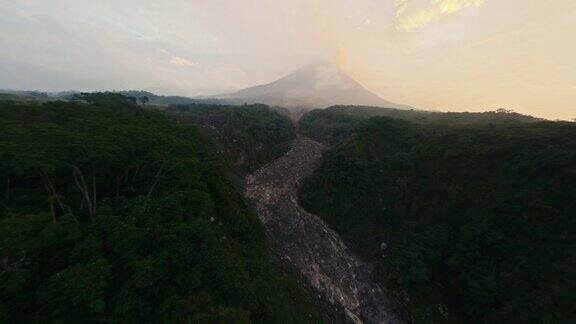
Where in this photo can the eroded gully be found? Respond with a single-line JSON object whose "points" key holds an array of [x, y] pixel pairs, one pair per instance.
{"points": [[304, 243]]}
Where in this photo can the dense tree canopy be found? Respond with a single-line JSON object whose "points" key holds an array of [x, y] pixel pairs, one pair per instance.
{"points": [[335, 124], [476, 216], [249, 135], [113, 213]]}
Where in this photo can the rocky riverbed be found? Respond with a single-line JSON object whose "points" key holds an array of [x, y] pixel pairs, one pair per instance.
{"points": [[305, 244]]}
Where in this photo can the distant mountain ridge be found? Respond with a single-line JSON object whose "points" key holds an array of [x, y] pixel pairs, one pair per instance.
{"points": [[153, 99], [169, 100], [318, 85]]}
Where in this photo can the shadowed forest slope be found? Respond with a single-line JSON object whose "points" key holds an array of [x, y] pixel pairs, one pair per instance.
{"points": [[112, 212], [335, 124], [249, 136], [467, 221]]}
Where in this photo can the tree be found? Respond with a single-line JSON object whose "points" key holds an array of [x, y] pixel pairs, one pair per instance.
{"points": [[105, 212], [504, 111], [144, 100], [486, 205]]}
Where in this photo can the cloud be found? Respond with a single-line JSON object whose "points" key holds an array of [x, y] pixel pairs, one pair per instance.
{"points": [[176, 60], [414, 14], [427, 53], [452, 6]]}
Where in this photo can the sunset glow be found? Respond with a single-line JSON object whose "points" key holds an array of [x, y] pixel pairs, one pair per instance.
{"points": [[451, 55]]}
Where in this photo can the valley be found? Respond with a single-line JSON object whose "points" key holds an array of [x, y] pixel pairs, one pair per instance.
{"points": [[288, 162], [253, 213], [302, 242]]}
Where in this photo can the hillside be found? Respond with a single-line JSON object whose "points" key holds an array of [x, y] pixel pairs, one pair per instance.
{"points": [[466, 223], [249, 136], [154, 99], [138, 96], [334, 124], [114, 213], [317, 85], [120, 211]]}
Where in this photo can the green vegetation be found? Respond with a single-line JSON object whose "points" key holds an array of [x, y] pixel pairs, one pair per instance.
{"points": [[249, 135], [146, 97], [136, 96], [334, 124], [113, 213], [25, 96], [477, 216], [7, 97]]}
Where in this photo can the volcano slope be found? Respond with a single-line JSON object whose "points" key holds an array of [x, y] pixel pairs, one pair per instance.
{"points": [[303, 243]]}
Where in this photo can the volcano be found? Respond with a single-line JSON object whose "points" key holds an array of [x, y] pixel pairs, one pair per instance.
{"points": [[317, 85]]}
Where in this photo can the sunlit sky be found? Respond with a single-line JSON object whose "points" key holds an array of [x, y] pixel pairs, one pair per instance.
{"points": [[449, 55]]}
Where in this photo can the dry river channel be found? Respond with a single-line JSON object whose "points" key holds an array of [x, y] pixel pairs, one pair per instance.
{"points": [[306, 245]]}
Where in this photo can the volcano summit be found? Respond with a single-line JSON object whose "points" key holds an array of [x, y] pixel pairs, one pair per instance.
{"points": [[317, 85]]}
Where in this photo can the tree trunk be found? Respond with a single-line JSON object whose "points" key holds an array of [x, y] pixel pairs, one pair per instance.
{"points": [[94, 190], [49, 191], [136, 172], [55, 196], [52, 210], [118, 180], [8, 188], [81, 184], [156, 178]]}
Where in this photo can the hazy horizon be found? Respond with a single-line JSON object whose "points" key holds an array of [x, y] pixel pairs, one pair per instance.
{"points": [[448, 55]]}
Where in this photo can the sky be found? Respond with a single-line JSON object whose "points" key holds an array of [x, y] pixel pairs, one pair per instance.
{"points": [[447, 55]]}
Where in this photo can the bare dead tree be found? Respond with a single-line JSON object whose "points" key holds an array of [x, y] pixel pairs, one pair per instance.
{"points": [[83, 187], [53, 196], [156, 178]]}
